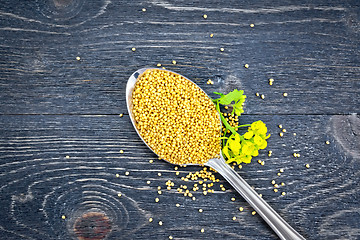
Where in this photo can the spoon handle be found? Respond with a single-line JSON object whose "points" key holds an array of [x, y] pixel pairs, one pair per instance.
{"points": [[277, 223]]}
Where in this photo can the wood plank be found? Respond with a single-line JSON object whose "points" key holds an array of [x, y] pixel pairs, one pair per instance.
{"points": [[39, 182], [311, 50]]}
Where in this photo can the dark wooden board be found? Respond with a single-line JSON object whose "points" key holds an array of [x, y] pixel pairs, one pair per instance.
{"points": [[53, 105], [39, 184], [311, 50]]}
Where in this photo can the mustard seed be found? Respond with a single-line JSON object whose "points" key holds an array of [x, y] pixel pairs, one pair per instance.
{"points": [[211, 35], [246, 65], [252, 25], [173, 115], [63, 217], [327, 142], [78, 58], [241, 209], [157, 199], [253, 212], [133, 49], [205, 16]]}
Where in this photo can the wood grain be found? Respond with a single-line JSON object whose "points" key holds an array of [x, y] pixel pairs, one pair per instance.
{"points": [[61, 134]]}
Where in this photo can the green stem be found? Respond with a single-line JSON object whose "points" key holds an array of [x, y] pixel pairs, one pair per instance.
{"points": [[227, 125]]}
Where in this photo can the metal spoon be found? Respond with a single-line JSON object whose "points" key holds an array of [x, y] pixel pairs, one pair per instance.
{"points": [[277, 223]]}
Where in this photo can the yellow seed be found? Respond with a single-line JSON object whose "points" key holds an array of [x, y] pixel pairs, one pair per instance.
{"points": [[159, 192], [159, 174], [253, 212], [150, 219], [307, 165], [281, 134], [262, 96], [127, 173], [278, 174], [144, 9], [160, 223], [202, 230], [284, 130], [273, 182], [294, 134], [151, 161], [205, 16], [285, 94], [78, 58], [281, 170], [148, 182], [194, 198], [263, 163], [276, 185], [121, 151], [257, 94], [173, 62], [282, 184], [211, 35], [327, 142], [275, 190], [205, 192], [240, 166], [63, 217], [259, 161], [119, 195], [260, 195], [222, 49], [200, 210], [157, 199], [117, 175], [177, 205], [121, 115], [252, 25], [246, 65], [133, 49], [159, 64], [232, 199], [177, 173], [280, 126], [67, 157], [241, 209], [283, 193], [234, 218], [170, 237]]}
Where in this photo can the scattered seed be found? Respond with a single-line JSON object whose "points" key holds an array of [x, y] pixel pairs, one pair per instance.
{"points": [[281, 134], [119, 194], [233, 199], [211, 35], [159, 174], [273, 182], [278, 174], [276, 185], [63, 217], [67, 157], [117, 175], [160, 223], [246, 65], [241, 209], [282, 184], [294, 134], [157, 199], [262, 96], [170, 237], [127, 173], [253, 212], [159, 65], [257, 94], [205, 16], [174, 62], [133, 49], [148, 182], [260, 195], [283, 193], [307, 165], [275, 190], [284, 130], [285, 94], [234, 218], [202, 230], [159, 192], [177, 205], [78, 58], [281, 170], [200, 210], [144, 9], [280, 126], [262, 163], [252, 25], [121, 151], [327, 142], [222, 49]]}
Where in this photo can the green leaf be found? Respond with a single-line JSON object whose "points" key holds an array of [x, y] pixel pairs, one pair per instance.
{"points": [[233, 96]]}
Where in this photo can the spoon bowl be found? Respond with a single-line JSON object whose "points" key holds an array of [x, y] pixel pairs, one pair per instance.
{"points": [[274, 220]]}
